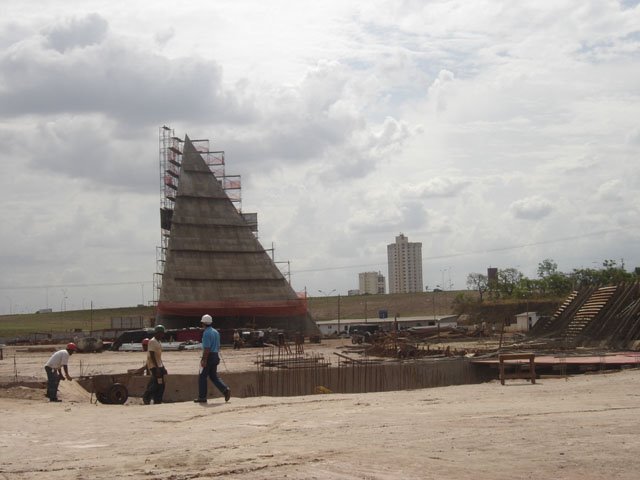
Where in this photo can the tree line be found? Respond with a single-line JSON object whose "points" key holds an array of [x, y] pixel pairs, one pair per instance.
{"points": [[511, 283]]}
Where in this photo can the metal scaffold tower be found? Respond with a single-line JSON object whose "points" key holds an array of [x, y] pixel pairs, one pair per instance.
{"points": [[170, 155]]}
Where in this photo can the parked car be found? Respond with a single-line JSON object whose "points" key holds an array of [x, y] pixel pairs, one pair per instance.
{"points": [[363, 332]]}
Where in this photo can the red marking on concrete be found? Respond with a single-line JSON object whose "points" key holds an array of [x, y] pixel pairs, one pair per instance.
{"points": [[623, 358]]}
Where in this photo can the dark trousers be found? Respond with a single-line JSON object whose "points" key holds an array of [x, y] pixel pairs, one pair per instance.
{"points": [[155, 387], [210, 371], [53, 380]]}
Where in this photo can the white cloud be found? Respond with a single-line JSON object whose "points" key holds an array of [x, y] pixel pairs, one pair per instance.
{"points": [[77, 32], [451, 122], [532, 208], [112, 76], [163, 36], [610, 191], [438, 187], [438, 89]]}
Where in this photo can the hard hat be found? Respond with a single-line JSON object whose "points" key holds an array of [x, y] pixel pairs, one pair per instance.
{"points": [[145, 341], [159, 328], [72, 346], [206, 319]]}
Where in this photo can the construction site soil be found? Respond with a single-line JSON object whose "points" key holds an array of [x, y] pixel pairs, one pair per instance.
{"points": [[576, 427]]}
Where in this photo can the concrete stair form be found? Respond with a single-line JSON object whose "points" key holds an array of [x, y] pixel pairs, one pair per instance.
{"points": [[589, 311]]}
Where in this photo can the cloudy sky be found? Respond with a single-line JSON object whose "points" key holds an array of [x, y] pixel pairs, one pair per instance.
{"points": [[497, 133]]}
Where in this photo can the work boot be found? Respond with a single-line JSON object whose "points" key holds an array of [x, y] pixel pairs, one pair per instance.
{"points": [[200, 400], [227, 394]]}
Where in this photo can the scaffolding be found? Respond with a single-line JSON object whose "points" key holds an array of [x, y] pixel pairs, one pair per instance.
{"points": [[170, 155]]}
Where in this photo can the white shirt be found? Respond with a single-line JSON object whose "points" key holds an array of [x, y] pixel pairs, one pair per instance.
{"points": [[58, 359], [155, 347]]}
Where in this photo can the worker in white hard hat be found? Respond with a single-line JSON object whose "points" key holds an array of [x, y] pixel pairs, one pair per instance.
{"points": [[209, 362], [54, 366]]}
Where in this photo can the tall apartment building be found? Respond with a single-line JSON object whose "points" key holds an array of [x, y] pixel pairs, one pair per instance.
{"points": [[405, 266], [371, 282]]}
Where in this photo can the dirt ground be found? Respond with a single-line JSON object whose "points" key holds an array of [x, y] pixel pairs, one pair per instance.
{"points": [[582, 427]]}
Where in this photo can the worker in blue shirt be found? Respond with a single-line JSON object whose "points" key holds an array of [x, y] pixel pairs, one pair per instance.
{"points": [[209, 362]]}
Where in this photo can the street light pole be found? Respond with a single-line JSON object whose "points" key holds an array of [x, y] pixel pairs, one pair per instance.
{"points": [[325, 293], [443, 285], [328, 295], [63, 302]]}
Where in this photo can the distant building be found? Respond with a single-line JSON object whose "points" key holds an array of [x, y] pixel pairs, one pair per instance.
{"points": [[336, 326], [405, 266], [352, 293], [371, 283], [492, 276], [523, 322]]}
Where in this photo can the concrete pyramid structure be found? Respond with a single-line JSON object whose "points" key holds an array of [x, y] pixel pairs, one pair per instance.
{"points": [[216, 265]]}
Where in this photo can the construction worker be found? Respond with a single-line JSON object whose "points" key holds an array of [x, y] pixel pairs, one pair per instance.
{"points": [[209, 362], [155, 387], [54, 366], [144, 369]]}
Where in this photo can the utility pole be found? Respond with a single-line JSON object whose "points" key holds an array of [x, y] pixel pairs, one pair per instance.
{"points": [[435, 292], [365, 309], [339, 314]]}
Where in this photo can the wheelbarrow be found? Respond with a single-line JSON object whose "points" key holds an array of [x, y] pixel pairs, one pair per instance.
{"points": [[109, 389]]}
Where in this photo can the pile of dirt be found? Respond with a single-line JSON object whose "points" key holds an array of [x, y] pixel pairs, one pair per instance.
{"points": [[70, 391], [23, 390]]}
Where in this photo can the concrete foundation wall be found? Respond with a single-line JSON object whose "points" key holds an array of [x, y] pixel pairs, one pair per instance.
{"points": [[307, 381], [363, 378]]}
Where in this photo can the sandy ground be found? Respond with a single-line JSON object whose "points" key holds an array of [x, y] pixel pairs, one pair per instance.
{"points": [[583, 427]]}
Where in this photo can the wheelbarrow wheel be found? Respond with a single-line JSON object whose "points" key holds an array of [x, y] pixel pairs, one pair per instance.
{"points": [[102, 398], [117, 394]]}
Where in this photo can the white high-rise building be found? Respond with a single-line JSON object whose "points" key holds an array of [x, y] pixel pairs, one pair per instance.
{"points": [[371, 283], [405, 265]]}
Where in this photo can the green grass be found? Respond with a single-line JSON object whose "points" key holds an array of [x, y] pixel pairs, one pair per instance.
{"points": [[70, 321], [321, 308]]}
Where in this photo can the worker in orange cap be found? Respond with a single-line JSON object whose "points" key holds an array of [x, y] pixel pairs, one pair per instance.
{"points": [[54, 366]]}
